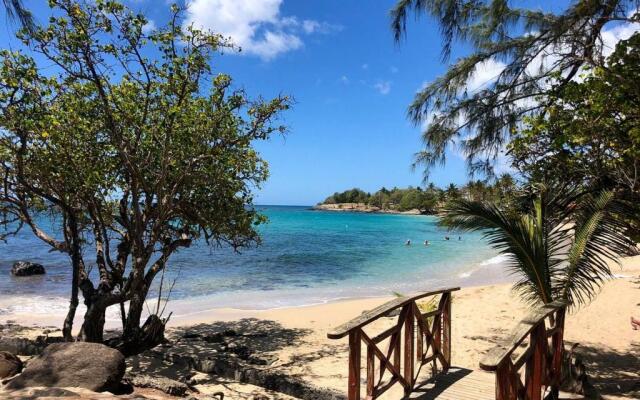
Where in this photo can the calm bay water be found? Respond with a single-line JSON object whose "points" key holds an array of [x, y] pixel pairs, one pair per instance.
{"points": [[306, 257]]}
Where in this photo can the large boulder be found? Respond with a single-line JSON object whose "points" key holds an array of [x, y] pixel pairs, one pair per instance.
{"points": [[91, 366], [24, 268], [10, 365]]}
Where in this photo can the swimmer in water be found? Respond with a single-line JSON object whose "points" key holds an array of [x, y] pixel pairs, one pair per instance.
{"points": [[426, 242], [446, 238], [408, 243], [459, 237]]}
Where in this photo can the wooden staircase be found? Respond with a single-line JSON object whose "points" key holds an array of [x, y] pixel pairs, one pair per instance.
{"points": [[415, 353]]}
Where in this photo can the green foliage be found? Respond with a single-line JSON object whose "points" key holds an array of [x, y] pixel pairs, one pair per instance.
{"points": [[591, 133], [504, 190], [135, 135], [541, 52], [559, 247]]}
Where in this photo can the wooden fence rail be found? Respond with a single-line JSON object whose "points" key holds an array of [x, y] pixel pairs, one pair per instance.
{"points": [[541, 357], [527, 364], [416, 339]]}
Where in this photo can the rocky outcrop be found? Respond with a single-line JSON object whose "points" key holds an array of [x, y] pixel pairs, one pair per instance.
{"points": [[24, 268], [363, 208], [10, 365], [166, 385], [91, 366]]}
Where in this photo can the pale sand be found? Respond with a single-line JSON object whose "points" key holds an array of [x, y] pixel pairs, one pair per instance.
{"points": [[481, 317]]}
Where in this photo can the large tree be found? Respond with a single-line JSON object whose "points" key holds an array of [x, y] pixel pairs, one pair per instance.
{"points": [[591, 133], [135, 142], [536, 53]]}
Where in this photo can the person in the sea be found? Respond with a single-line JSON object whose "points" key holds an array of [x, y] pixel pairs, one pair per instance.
{"points": [[635, 324], [408, 243], [426, 242], [459, 237], [446, 238]]}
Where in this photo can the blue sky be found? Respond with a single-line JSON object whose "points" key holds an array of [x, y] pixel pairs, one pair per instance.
{"points": [[350, 81]]}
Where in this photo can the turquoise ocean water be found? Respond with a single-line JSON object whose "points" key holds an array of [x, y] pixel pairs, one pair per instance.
{"points": [[306, 257]]}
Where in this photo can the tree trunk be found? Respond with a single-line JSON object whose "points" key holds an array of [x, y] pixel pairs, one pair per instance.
{"points": [[75, 280], [149, 336], [136, 304], [93, 326]]}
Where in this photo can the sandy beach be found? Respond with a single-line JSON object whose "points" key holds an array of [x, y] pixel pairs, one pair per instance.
{"points": [[481, 316]]}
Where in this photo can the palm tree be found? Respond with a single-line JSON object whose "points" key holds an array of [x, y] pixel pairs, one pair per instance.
{"points": [[452, 192], [16, 11], [559, 249]]}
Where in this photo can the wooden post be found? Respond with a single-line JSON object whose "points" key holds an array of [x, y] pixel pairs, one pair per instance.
{"points": [[420, 339], [557, 342], [505, 388], [354, 365], [408, 348], [446, 330], [396, 350], [536, 363], [371, 371]]}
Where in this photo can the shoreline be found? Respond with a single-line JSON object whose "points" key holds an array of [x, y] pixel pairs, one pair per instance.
{"points": [[482, 316], [365, 209], [52, 309]]}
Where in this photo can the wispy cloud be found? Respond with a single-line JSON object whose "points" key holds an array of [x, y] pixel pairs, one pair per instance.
{"points": [[365, 66], [344, 80], [150, 26], [383, 87], [256, 26]]}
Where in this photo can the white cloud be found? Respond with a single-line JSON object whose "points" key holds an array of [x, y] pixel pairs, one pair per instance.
{"points": [[485, 73], [384, 87], [150, 26], [256, 26], [610, 37]]}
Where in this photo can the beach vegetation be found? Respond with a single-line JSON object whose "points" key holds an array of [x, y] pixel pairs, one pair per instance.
{"points": [[136, 144], [432, 198], [560, 246], [591, 135], [534, 55]]}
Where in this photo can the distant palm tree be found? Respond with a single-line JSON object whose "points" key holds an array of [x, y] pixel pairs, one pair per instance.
{"points": [[559, 249], [16, 11]]}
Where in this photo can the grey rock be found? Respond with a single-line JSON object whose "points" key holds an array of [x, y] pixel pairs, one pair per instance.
{"points": [[21, 346], [10, 365], [166, 385], [91, 366], [25, 268]]}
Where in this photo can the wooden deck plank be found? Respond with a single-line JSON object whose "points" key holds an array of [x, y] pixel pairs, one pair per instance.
{"points": [[457, 384]]}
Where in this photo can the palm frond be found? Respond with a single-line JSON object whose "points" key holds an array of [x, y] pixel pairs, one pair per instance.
{"points": [[599, 239], [560, 248], [518, 237]]}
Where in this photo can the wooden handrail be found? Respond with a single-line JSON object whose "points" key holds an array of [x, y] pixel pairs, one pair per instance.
{"points": [[506, 347], [542, 360], [371, 315], [415, 339]]}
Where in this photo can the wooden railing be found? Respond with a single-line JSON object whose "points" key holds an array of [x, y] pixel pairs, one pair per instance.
{"points": [[535, 344], [430, 344]]}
